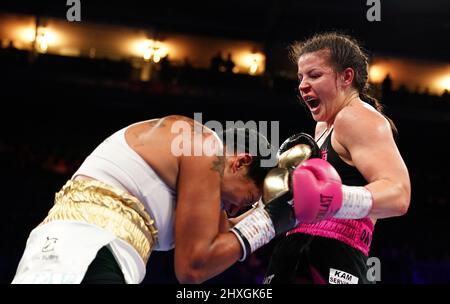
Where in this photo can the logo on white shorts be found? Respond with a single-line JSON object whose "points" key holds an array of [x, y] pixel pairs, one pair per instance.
{"points": [[49, 244], [341, 277]]}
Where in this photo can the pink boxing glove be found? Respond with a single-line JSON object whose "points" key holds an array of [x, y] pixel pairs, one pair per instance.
{"points": [[317, 191]]}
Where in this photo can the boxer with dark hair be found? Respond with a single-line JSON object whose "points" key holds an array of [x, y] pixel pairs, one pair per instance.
{"points": [[156, 185], [361, 176]]}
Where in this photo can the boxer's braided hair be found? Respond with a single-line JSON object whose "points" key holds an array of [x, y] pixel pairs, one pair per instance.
{"points": [[244, 140]]}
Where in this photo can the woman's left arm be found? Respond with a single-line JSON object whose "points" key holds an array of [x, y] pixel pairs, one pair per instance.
{"points": [[368, 139]]}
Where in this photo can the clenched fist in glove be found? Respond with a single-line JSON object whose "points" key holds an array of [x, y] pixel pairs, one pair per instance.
{"points": [[277, 214]]}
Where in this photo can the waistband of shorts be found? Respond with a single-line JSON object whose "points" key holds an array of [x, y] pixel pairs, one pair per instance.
{"points": [[355, 233], [107, 207]]}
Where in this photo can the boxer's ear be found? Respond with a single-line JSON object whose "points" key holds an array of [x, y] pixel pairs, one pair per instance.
{"points": [[243, 160], [346, 77]]}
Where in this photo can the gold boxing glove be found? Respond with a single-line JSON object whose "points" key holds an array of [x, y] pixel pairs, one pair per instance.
{"points": [[296, 149]]}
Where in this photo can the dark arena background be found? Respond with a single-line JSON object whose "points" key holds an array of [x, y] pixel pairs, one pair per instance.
{"points": [[66, 85]]}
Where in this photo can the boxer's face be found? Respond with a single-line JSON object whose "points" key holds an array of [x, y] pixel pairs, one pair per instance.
{"points": [[238, 190], [318, 85]]}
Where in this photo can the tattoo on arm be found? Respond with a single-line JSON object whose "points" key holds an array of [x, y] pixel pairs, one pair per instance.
{"points": [[219, 165]]}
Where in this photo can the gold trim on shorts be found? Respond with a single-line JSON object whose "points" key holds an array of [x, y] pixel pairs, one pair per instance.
{"points": [[115, 210]]}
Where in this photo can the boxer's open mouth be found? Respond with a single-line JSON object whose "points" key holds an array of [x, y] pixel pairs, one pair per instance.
{"points": [[312, 102]]}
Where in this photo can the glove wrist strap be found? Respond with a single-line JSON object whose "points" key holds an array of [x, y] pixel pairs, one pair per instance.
{"points": [[356, 203], [254, 231]]}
